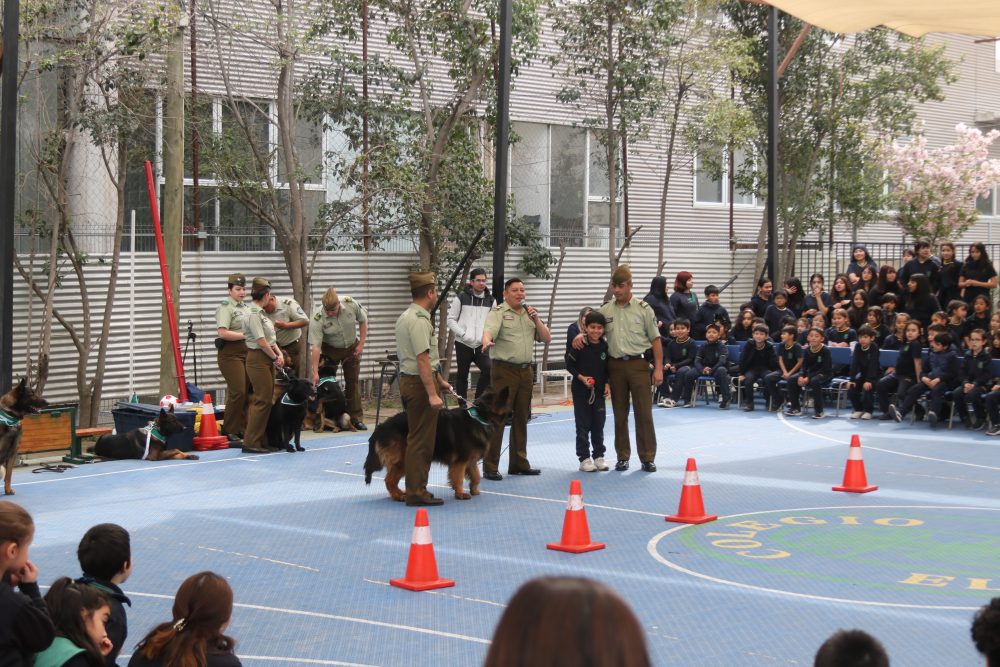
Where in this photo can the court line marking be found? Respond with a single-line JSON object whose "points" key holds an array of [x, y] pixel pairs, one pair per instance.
{"points": [[795, 427], [263, 558], [274, 658], [444, 594], [335, 617], [652, 544]]}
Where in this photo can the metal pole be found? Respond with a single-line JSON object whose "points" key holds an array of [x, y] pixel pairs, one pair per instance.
{"points": [[772, 140], [8, 169], [500, 175]]}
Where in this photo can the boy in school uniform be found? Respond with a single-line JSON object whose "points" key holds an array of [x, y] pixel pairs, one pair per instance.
{"points": [[777, 313], [105, 556], [865, 373], [815, 373], [992, 402], [978, 378], [710, 312], [756, 361], [713, 359], [789, 363], [943, 374], [589, 368], [679, 360]]}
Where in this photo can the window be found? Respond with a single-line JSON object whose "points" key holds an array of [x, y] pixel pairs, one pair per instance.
{"points": [[987, 205], [708, 190]]}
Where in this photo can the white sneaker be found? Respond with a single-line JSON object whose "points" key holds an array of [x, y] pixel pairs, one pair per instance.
{"points": [[600, 464], [866, 415], [668, 403], [856, 414], [587, 465]]}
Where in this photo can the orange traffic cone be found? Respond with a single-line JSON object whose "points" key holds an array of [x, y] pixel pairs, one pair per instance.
{"points": [[421, 570], [692, 508], [209, 437], [576, 533], [855, 480]]}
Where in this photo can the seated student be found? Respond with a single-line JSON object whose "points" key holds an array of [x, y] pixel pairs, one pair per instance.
{"points": [[105, 556], [814, 374], [532, 630], [25, 627], [802, 326], [756, 361], [743, 329], [898, 336], [977, 380], [958, 311], [994, 324], [589, 368], [763, 296], [899, 378], [851, 648], [890, 304], [79, 613], [995, 345], [710, 312], [943, 374], [979, 319], [678, 359], [713, 359], [857, 313], [777, 313], [986, 632], [865, 373], [817, 301], [875, 321], [789, 363], [840, 334], [939, 317], [202, 609]]}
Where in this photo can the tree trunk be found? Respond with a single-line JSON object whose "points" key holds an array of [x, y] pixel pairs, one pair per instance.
{"points": [[552, 300], [672, 138]]}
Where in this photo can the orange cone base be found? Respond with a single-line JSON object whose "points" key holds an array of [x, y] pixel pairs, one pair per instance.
{"points": [[209, 442], [576, 548], [705, 518], [421, 585], [856, 489]]}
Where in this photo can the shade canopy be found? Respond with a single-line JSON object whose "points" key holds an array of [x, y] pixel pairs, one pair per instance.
{"points": [[911, 17]]}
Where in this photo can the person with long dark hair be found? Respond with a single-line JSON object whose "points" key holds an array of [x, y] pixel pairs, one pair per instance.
{"points": [[858, 312], [762, 297], [841, 292], [818, 300], [868, 280], [660, 303], [923, 262], [79, 612], [684, 301], [743, 329], [948, 276], [796, 295], [195, 635], [978, 276], [920, 302], [885, 284], [860, 258]]}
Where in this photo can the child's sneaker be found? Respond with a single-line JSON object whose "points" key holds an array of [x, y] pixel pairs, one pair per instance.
{"points": [[600, 464], [994, 430], [866, 415], [856, 414], [818, 415], [793, 413], [668, 403], [587, 465], [896, 414]]}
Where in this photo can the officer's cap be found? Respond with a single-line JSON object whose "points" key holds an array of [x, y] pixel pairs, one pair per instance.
{"points": [[420, 279], [237, 279], [261, 284]]}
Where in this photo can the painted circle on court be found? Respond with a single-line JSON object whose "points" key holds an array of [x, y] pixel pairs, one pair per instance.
{"points": [[897, 556]]}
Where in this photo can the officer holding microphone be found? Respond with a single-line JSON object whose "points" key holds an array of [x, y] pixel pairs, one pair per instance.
{"points": [[509, 335]]}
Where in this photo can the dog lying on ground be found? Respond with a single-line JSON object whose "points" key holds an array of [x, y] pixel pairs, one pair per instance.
{"points": [[15, 404], [463, 435], [132, 445], [287, 414], [329, 410]]}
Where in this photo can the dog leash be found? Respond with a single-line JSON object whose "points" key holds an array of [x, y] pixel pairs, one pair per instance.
{"points": [[53, 467]]}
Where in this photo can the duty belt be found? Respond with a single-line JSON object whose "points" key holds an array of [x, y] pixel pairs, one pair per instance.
{"points": [[512, 363]]}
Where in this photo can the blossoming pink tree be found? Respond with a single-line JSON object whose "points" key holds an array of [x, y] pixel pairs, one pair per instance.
{"points": [[934, 190]]}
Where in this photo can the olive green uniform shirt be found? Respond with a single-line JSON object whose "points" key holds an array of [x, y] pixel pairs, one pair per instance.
{"points": [[514, 334], [287, 310], [414, 336], [258, 325], [631, 328], [231, 314], [340, 331]]}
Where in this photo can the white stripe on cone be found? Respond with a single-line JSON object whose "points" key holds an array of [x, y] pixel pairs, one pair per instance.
{"points": [[691, 478], [575, 503], [854, 454], [421, 535]]}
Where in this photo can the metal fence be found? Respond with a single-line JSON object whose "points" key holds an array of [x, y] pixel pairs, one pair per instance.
{"points": [[832, 258]]}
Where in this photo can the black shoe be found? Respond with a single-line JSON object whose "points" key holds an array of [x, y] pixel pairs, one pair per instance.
{"points": [[493, 476], [932, 418], [896, 414], [621, 466], [300, 448], [649, 466], [358, 424], [290, 449], [526, 471], [423, 501], [724, 404], [255, 450]]}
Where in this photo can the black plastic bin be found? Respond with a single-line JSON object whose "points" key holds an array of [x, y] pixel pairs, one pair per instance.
{"points": [[130, 416]]}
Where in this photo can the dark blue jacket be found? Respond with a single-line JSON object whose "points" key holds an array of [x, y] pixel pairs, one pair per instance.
{"points": [[946, 366], [25, 628], [709, 313], [754, 358], [865, 365], [591, 361], [712, 355], [680, 354], [816, 363], [978, 368]]}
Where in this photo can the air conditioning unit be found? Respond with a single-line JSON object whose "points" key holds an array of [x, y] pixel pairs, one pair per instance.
{"points": [[984, 117]]}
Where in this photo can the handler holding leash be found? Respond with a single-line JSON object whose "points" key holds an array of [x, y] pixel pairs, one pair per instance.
{"points": [[232, 355], [420, 382], [509, 335], [263, 356], [289, 319], [338, 330]]}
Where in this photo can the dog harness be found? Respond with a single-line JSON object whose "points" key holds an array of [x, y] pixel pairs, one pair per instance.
{"points": [[9, 420], [474, 413], [285, 401], [151, 433], [323, 381]]}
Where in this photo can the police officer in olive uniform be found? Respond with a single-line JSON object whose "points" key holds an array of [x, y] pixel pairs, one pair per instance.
{"points": [[263, 355], [232, 355], [289, 319], [509, 335], [631, 331], [420, 384], [338, 330]]}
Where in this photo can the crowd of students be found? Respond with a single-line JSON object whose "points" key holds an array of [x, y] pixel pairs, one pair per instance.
{"points": [[786, 334]]}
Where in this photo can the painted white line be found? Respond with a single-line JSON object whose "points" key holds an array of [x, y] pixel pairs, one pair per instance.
{"points": [[269, 560], [335, 617], [274, 658], [651, 549], [795, 427], [447, 595]]}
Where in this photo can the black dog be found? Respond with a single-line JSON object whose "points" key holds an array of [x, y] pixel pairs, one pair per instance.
{"points": [[132, 445], [15, 404], [463, 435], [287, 414], [330, 407]]}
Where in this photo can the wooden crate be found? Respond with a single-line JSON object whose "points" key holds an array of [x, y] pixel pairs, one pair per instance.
{"points": [[51, 429]]}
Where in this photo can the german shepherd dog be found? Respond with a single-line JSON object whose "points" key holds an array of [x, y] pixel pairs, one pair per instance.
{"points": [[287, 414], [132, 445], [330, 406], [16, 404], [463, 435]]}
